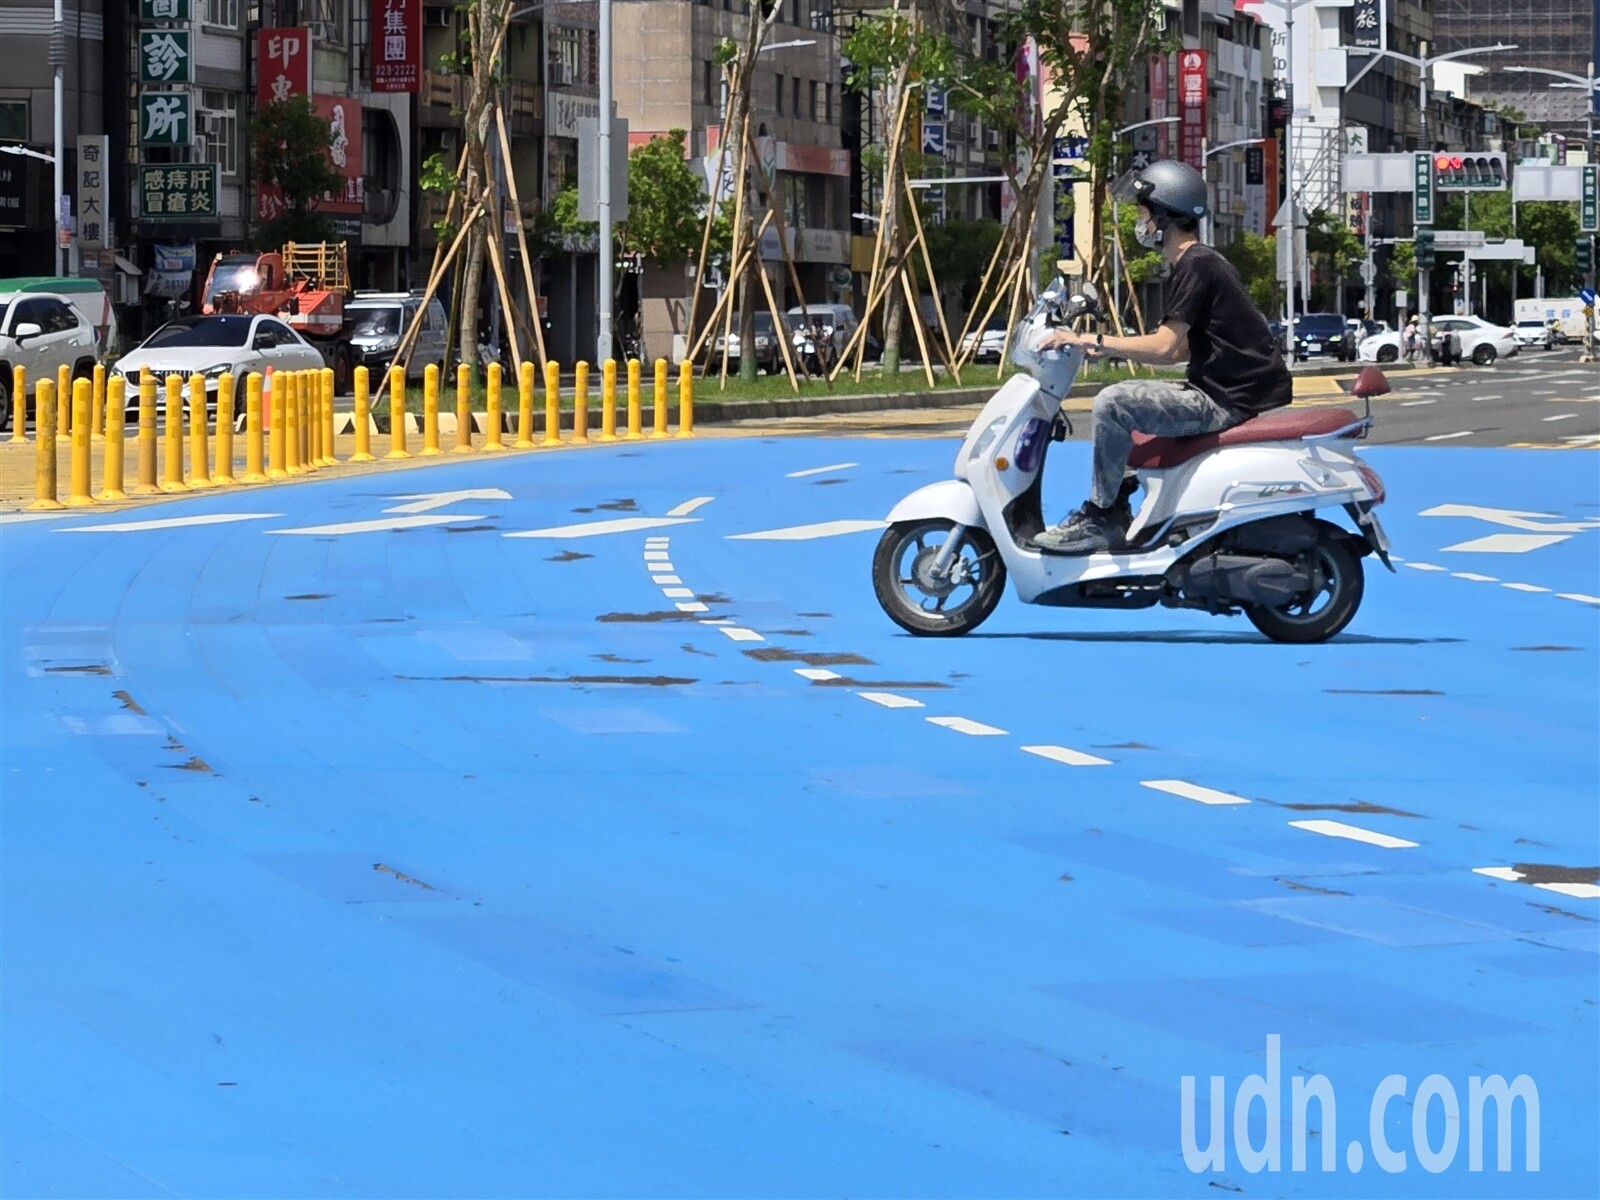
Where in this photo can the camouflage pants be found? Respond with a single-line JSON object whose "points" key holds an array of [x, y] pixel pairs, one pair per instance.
{"points": [[1160, 408]]}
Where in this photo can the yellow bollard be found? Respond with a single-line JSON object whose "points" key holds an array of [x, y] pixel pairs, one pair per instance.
{"points": [[63, 401], [525, 407], [430, 410], [252, 430], [291, 421], [199, 464], [397, 414], [116, 441], [147, 485], [223, 475], [491, 409], [608, 401], [686, 400], [363, 417], [277, 383], [313, 422], [172, 444], [329, 458], [19, 403], [552, 403], [659, 414], [44, 461], [78, 495], [463, 409], [97, 406], [635, 411], [580, 404], [303, 412]]}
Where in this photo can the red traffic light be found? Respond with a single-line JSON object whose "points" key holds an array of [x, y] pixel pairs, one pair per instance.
{"points": [[1442, 162], [1455, 162]]}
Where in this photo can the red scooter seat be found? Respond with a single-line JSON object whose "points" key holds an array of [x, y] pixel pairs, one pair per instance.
{"points": [[1281, 425]]}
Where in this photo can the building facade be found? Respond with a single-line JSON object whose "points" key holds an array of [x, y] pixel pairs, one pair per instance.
{"points": [[1557, 35]]}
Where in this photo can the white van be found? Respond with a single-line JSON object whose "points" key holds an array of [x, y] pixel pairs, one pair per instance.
{"points": [[838, 322], [42, 330], [86, 296]]}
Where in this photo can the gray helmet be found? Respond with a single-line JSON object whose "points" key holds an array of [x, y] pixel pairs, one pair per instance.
{"points": [[1170, 188]]}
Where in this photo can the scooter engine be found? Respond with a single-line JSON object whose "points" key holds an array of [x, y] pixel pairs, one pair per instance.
{"points": [[1220, 581]]}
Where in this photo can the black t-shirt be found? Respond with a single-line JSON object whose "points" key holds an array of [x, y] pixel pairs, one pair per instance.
{"points": [[1233, 357]]}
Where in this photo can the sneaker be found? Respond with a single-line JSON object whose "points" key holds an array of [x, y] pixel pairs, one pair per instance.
{"points": [[1088, 531]]}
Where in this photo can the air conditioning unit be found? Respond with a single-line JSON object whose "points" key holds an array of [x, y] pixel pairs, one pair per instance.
{"points": [[993, 139], [208, 122], [435, 18], [974, 132]]}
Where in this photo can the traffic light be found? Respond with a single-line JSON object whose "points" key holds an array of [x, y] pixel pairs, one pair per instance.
{"points": [[1583, 254], [1484, 172], [1424, 247]]}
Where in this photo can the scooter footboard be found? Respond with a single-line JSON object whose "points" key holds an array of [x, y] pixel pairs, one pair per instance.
{"points": [[950, 500]]}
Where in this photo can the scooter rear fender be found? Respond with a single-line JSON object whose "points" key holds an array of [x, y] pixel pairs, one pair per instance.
{"points": [[949, 499]]}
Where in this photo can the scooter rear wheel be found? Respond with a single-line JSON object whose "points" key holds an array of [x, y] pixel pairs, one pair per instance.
{"points": [[1318, 617], [917, 602]]}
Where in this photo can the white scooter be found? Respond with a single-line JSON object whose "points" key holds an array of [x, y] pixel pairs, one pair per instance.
{"points": [[1229, 523]]}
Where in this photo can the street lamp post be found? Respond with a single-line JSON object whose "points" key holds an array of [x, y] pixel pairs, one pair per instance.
{"points": [[1590, 84], [1424, 65], [1206, 151]]}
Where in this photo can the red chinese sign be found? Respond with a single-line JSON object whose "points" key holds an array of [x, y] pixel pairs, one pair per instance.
{"points": [[343, 115], [396, 45], [283, 64], [1192, 107]]}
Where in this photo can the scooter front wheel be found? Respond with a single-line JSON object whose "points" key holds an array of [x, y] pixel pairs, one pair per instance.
{"points": [[929, 606]]}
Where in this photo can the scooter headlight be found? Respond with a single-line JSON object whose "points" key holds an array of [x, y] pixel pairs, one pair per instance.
{"points": [[987, 438]]}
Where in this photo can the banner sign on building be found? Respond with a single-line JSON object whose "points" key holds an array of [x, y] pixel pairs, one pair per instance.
{"points": [[283, 64], [1255, 166], [165, 56], [180, 192], [1368, 25], [396, 45], [343, 114], [94, 190], [165, 118], [1192, 107]]}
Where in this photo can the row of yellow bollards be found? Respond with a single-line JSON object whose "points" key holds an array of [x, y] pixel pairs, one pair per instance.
{"points": [[289, 424]]}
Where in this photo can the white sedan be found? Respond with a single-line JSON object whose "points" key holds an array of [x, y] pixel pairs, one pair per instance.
{"points": [[1476, 338], [213, 346]]}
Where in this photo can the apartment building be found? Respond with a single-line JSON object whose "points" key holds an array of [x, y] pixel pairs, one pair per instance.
{"points": [[1556, 35]]}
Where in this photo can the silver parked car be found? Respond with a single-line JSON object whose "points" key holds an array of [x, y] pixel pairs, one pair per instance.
{"points": [[378, 319]]}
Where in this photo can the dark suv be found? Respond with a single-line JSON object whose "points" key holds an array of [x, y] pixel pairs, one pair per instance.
{"points": [[1323, 334]]}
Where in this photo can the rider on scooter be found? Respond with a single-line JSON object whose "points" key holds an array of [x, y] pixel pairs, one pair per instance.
{"points": [[1235, 371]]}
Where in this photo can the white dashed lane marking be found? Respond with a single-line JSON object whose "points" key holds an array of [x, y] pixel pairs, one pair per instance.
{"points": [[738, 634], [1476, 578], [1191, 791], [1353, 833], [1562, 417], [817, 674], [1445, 437], [665, 579], [691, 606], [1578, 891], [890, 700], [803, 533], [1524, 587], [1072, 758], [820, 470], [963, 725], [1416, 566], [1579, 597]]}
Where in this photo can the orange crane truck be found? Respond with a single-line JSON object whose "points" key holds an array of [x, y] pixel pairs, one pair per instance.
{"points": [[304, 285]]}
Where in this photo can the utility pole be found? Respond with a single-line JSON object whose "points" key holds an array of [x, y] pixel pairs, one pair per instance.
{"points": [[58, 60], [603, 342]]}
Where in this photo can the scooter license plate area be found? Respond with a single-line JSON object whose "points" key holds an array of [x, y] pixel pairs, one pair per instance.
{"points": [[1373, 528]]}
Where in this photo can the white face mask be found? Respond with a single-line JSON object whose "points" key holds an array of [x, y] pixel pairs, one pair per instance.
{"points": [[1146, 234]]}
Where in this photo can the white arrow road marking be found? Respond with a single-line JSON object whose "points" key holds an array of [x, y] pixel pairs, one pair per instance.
{"points": [[596, 528], [170, 523], [801, 533], [385, 524], [1072, 758], [688, 506], [1191, 791], [1354, 833], [422, 502], [820, 470], [1511, 518], [1509, 543]]}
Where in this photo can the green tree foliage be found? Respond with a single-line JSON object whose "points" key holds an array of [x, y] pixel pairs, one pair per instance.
{"points": [[1330, 239], [1550, 227], [290, 144], [960, 251], [1256, 259], [666, 202]]}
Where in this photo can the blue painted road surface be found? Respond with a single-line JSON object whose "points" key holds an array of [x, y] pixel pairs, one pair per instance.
{"points": [[531, 827]]}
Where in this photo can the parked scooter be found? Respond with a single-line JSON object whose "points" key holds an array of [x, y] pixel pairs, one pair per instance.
{"points": [[1230, 522]]}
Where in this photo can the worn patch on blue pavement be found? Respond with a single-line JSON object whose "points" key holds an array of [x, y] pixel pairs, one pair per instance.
{"points": [[355, 878], [607, 980], [1236, 925], [86, 723], [470, 645], [1543, 962], [1078, 1098], [1307, 1009], [611, 720], [887, 783], [1379, 920], [1152, 862]]}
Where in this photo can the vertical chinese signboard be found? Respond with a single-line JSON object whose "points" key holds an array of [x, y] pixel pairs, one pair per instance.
{"points": [[93, 191], [283, 64], [1368, 25], [396, 45], [343, 115], [1192, 107]]}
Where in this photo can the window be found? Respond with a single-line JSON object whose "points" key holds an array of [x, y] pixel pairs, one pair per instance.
{"points": [[219, 121], [326, 19], [284, 335], [58, 318], [828, 110], [710, 94], [778, 96], [32, 312], [795, 107], [566, 56], [816, 101], [224, 14]]}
